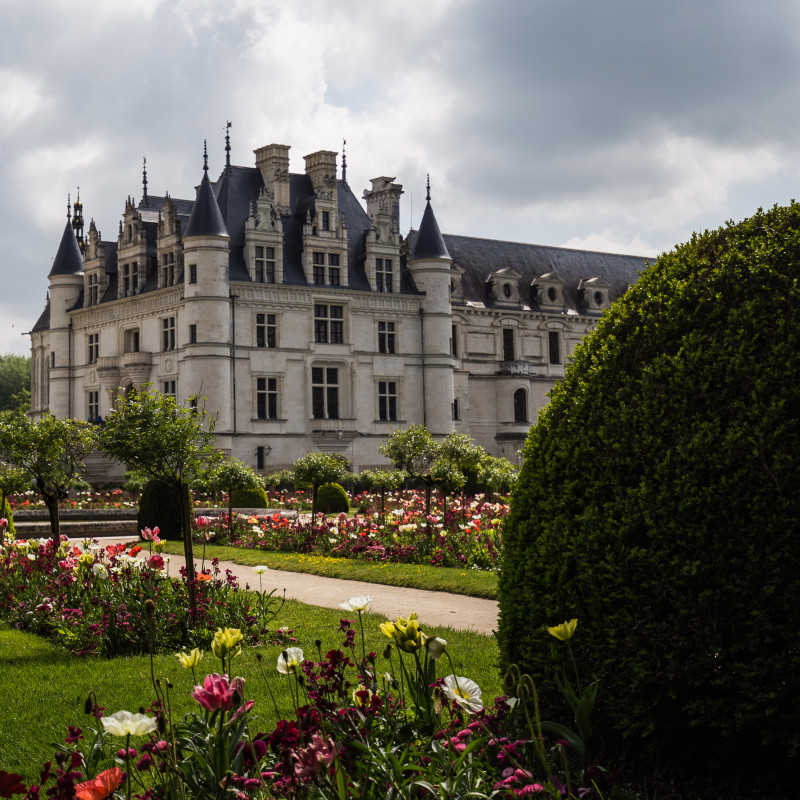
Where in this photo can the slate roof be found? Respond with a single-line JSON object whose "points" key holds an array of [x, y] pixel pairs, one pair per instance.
{"points": [[206, 218], [43, 323], [429, 242], [68, 260]]}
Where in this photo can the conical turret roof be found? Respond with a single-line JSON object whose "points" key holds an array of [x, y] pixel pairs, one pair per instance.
{"points": [[68, 260], [206, 218], [430, 243]]}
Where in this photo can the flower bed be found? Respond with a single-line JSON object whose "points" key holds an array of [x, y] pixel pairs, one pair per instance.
{"points": [[468, 534]]}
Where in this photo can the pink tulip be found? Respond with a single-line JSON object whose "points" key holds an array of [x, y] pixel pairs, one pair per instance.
{"points": [[155, 562], [217, 692], [3, 523], [150, 535], [203, 523]]}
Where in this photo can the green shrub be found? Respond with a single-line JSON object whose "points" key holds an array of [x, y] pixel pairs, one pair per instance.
{"points": [[282, 479], [254, 497], [658, 503], [332, 499], [160, 506]]}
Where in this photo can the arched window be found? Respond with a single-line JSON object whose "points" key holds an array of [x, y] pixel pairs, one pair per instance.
{"points": [[520, 406]]}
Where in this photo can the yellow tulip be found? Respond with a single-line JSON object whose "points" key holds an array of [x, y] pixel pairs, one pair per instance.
{"points": [[564, 631], [189, 660], [405, 632], [226, 643]]}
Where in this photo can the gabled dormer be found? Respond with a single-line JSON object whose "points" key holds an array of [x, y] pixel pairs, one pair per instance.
{"points": [[595, 293], [383, 239], [547, 292], [131, 252], [94, 268], [263, 241], [169, 245], [502, 287]]}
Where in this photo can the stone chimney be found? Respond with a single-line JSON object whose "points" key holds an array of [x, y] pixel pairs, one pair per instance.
{"points": [[273, 162], [321, 168]]}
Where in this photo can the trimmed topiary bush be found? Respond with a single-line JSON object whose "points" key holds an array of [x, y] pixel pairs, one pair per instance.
{"points": [[659, 503], [253, 497], [332, 499], [160, 506]]}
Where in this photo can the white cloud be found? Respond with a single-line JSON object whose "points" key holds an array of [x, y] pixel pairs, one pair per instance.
{"points": [[21, 96]]}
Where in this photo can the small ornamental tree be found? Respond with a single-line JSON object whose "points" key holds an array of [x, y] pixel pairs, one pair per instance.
{"points": [[229, 475], [457, 457], [149, 433], [659, 504], [496, 475], [382, 481], [51, 451], [314, 469], [414, 451]]}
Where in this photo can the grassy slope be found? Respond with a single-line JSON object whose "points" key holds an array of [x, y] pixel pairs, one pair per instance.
{"points": [[44, 689], [474, 583]]}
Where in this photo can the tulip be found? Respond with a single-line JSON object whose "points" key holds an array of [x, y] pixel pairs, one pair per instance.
{"points": [[565, 631], [123, 723]]}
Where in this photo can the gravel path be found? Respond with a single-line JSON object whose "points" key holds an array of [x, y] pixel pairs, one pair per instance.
{"points": [[434, 608]]}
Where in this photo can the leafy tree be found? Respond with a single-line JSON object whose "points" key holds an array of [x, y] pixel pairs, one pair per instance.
{"points": [[229, 475], [151, 434], [414, 451], [496, 474], [51, 451], [457, 457], [658, 504], [12, 481], [382, 481], [15, 381], [314, 469]]}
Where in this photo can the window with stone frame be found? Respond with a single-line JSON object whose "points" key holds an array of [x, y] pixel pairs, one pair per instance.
{"points": [[318, 263], [264, 264], [325, 392], [387, 401], [94, 288], [266, 330], [193, 334], [167, 270], [192, 274], [520, 405], [168, 388], [130, 341], [93, 348], [554, 346], [334, 270], [508, 344], [328, 324], [168, 333], [93, 405], [386, 333], [266, 398], [384, 278]]}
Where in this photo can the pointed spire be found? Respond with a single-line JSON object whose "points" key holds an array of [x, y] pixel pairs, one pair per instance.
{"points": [[69, 208], [228, 147], [344, 161], [430, 243], [206, 218], [145, 200], [68, 260], [77, 221]]}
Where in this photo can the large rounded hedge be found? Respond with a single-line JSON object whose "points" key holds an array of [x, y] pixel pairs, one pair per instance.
{"points": [[160, 506], [659, 503]]}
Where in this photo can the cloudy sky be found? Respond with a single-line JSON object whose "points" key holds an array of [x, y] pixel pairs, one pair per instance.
{"points": [[619, 125]]}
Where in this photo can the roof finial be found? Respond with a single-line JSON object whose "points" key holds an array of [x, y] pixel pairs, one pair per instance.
{"points": [[145, 200], [228, 147], [428, 193], [205, 156], [344, 161], [69, 207]]}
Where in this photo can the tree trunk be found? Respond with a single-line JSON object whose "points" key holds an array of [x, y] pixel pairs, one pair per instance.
{"points": [[313, 507], [188, 549], [2, 514], [51, 501]]}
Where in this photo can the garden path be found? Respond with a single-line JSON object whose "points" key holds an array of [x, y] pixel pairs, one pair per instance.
{"points": [[434, 608]]}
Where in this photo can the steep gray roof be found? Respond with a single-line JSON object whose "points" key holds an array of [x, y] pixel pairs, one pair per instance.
{"points": [[68, 260], [206, 218], [429, 242]]}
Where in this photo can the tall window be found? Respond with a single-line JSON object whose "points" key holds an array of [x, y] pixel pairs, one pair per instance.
{"points": [[168, 269], [93, 410], [93, 289], [94, 348], [267, 398], [193, 334], [334, 270], [454, 341], [455, 409], [386, 337], [328, 324], [326, 220], [387, 401], [508, 344], [555, 348], [319, 268], [261, 457], [383, 275], [325, 392], [520, 406], [192, 274], [131, 341], [266, 330], [169, 389], [265, 264], [168, 333]]}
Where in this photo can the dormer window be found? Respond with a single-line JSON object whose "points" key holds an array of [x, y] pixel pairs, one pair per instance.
{"points": [[552, 294], [326, 220], [507, 290], [548, 291], [503, 286], [595, 294]]}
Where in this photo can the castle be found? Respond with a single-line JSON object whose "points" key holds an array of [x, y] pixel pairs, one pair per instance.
{"points": [[307, 321]]}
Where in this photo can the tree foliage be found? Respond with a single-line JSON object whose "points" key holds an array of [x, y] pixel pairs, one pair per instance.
{"points": [[658, 503], [314, 469], [51, 451], [15, 382]]}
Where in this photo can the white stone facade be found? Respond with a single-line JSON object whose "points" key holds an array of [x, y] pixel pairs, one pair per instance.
{"points": [[308, 322]]}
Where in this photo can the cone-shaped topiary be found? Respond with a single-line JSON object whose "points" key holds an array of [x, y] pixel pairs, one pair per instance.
{"points": [[332, 499], [659, 503], [160, 506]]}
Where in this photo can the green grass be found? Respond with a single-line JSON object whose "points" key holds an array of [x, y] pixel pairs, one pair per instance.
{"points": [[44, 689], [474, 583]]}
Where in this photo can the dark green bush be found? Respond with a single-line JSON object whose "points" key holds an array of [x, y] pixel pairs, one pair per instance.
{"points": [[160, 506], [332, 499], [659, 503], [254, 497]]}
